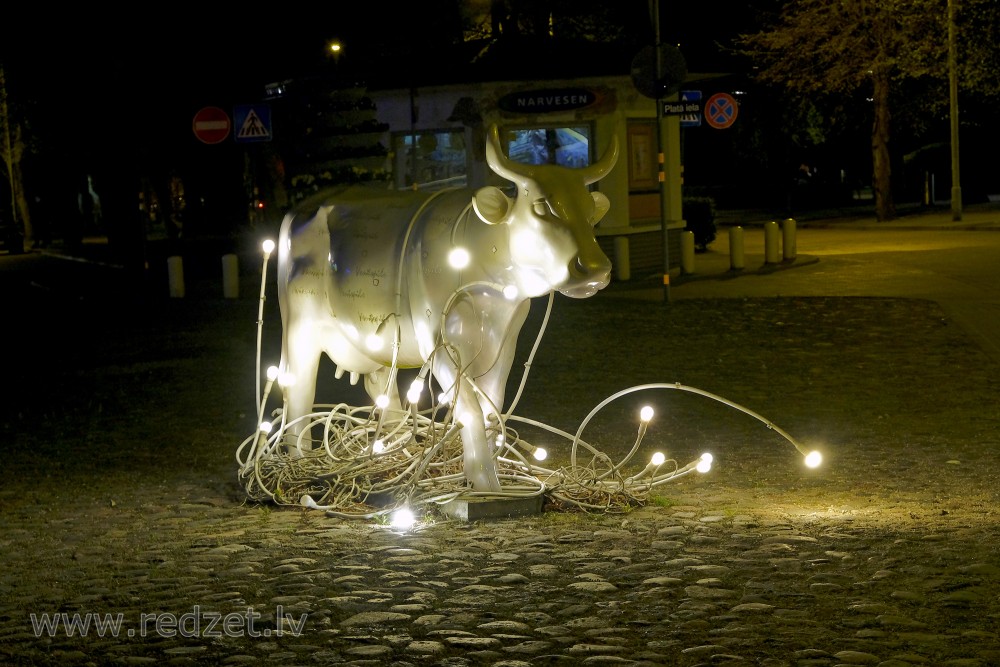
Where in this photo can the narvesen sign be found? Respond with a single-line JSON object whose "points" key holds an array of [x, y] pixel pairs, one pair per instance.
{"points": [[547, 100]]}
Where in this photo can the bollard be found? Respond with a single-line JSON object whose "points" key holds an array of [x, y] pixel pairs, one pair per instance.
{"points": [[175, 276], [687, 252], [622, 267], [771, 242], [736, 248], [788, 239], [230, 276]]}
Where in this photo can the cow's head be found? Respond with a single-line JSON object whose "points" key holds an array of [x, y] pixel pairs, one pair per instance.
{"points": [[551, 221]]}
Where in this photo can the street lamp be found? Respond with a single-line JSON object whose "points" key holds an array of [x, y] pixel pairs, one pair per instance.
{"points": [[334, 48]]}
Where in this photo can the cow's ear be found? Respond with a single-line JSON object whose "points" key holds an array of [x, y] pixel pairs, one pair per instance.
{"points": [[491, 204], [601, 206]]}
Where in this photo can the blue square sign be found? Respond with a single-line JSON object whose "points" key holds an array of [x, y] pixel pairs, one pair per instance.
{"points": [[252, 122]]}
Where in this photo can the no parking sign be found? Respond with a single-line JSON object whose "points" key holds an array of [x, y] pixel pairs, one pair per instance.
{"points": [[721, 110]]}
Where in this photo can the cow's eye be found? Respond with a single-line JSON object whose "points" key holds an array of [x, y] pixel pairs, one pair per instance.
{"points": [[541, 207]]}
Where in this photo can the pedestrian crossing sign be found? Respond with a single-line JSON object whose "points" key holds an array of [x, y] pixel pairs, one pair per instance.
{"points": [[252, 122]]}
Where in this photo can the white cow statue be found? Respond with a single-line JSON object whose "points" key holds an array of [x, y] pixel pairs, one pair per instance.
{"points": [[387, 279]]}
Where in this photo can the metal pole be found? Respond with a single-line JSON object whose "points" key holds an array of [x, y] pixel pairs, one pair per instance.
{"points": [[661, 157], [9, 157], [956, 187]]}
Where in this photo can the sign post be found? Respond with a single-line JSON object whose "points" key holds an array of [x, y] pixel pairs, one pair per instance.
{"points": [[211, 125]]}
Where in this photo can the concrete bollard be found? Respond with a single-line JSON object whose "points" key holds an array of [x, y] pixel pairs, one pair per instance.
{"points": [[788, 249], [230, 276], [175, 276], [771, 242], [622, 267], [736, 254], [687, 252]]}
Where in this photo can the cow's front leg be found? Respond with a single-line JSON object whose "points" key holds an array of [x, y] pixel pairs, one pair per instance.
{"points": [[478, 462]]}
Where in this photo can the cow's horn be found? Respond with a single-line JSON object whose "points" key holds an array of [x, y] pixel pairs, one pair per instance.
{"points": [[600, 169], [499, 162]]}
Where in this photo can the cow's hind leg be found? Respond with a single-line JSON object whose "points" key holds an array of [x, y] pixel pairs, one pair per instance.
{"points": [[300, 359], [381, 382]]}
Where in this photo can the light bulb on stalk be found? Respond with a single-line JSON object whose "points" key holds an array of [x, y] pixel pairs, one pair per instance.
{"points": [[458, 258], [268, 247], [704, 463], [402, 519], [646, 414], [813, 459], [413, 394], [658, 459]]}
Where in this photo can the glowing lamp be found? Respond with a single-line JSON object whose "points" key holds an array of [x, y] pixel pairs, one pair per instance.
{"points": [[265, 427], [272, 373], [646, 413], [268, 246], [402, 519], [413, 394], [540, 454], [373, 342], [704, 463], [458, 258], [814, 459], [510, 292], [382, 401], [658, 459]]}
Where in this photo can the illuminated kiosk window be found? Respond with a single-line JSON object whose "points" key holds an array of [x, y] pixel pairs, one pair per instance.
{"points": [[567, 146], [441, 159]]}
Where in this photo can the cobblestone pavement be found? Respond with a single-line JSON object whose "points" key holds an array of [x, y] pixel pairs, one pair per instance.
{"points": [[120, 503]]}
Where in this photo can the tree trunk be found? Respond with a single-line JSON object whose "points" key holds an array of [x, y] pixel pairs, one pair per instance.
{"points": [[885, 208]]}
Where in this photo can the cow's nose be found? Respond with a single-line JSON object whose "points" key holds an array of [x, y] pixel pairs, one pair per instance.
{"points": [[596, 268]]}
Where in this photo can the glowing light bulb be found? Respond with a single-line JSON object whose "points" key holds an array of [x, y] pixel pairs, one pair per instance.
{"points": [[268, 246], [402, 519], [374, 342], [413, 394], [704, 463], [658, 459], [458, 258], [265, 427], [510, 292], [286, 379], [646, 413], [814, 459], [540, 454], [444, 398], [378, 446], [382, 401], [272, 373]]}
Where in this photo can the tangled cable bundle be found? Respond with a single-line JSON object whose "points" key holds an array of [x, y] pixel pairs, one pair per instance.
{"points": [[369, 461]]}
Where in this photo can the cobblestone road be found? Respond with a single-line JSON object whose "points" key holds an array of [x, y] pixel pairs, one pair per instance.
{"points": [[120, 505]]}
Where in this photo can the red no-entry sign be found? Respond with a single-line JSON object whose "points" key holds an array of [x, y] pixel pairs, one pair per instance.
{"points": [[211, 125]]}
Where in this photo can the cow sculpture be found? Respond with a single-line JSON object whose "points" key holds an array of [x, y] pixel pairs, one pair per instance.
{"points": [[369, 277]]}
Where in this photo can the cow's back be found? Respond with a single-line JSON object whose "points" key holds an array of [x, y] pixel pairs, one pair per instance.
{"points": [[347, 253]]}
